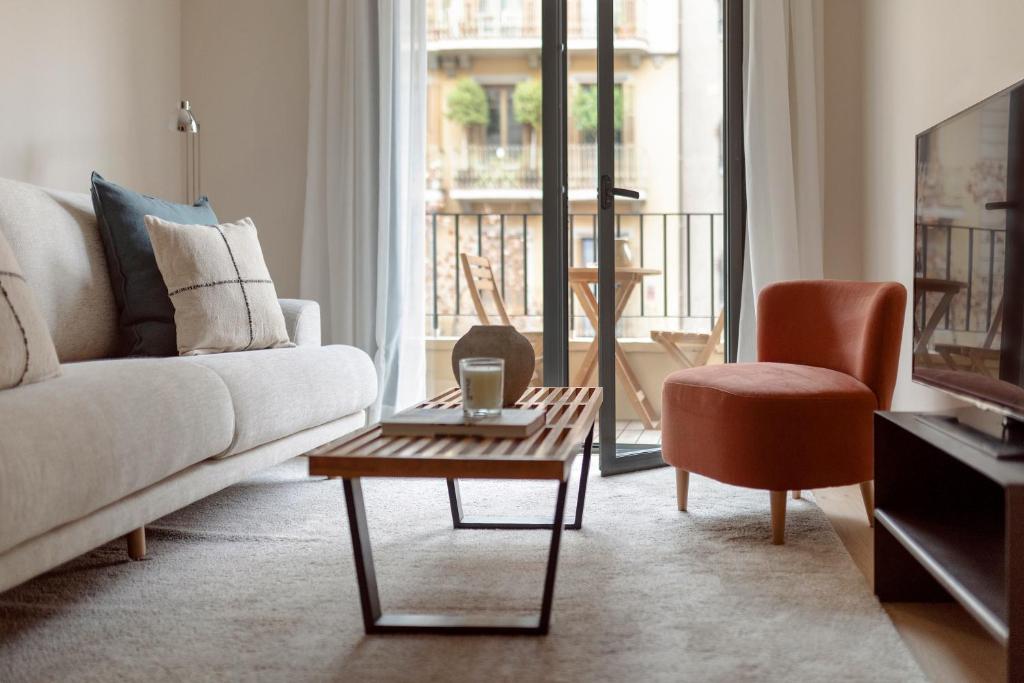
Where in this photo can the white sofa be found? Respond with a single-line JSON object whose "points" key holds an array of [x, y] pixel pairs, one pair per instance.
{"points": [[114, 443]]}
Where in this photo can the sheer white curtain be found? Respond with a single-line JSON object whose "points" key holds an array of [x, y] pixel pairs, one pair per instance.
{"points": [[783, 139], [362, 246]]}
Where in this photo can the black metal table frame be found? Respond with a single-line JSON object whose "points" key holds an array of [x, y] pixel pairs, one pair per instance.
{"points": [[375, 621], [461, 521]]}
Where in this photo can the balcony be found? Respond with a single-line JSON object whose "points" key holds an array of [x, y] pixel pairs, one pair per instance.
{"points": [[474, 25], [687, 294], [959, 328], [491, 172]]}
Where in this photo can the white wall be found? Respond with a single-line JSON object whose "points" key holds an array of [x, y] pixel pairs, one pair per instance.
{"points": [[843, 24], [95, 85], [91, 85], [922, 61], [245, 70]]}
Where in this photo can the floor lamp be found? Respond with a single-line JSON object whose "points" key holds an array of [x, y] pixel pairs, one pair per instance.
{"points": [[188, 125]]}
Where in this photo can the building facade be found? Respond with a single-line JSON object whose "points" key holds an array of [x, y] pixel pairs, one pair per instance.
{"points": [[484, 142]]}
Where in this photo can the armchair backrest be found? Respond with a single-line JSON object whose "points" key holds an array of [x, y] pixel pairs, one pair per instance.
{"points": [[851, 327]]}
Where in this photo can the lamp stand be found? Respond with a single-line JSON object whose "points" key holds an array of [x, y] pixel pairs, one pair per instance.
{"points": [[193, 175]]}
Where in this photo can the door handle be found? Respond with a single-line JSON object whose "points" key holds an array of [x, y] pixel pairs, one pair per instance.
{"points": [[608, 192]]}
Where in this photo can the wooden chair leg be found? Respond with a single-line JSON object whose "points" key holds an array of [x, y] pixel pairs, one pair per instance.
{"points": [[137, 543], [682, 488], [778, 499], [867, 492], [796, 494]]}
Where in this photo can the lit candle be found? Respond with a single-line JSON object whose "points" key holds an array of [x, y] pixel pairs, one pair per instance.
{"points": [[482, 381]]}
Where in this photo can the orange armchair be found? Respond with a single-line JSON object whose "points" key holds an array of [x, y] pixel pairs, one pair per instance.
{"points": [[801, 417]]}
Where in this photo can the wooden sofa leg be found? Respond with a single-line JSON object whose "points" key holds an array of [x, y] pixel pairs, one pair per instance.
{"points": [[867, 492], [796, 494], [682, 488], [778, 499], [136, 543]]}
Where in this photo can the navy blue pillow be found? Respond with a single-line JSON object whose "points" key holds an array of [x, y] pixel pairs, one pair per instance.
{"points": [[145, 312]]}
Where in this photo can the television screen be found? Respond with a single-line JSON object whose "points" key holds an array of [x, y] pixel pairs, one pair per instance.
{"points": [[969, 254]]}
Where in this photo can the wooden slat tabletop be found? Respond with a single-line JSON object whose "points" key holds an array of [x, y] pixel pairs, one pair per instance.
{"points": [[589, 274], [546, 454]]}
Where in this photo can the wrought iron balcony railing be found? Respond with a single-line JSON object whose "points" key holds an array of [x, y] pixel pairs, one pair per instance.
{"points": [[973, 256], [518, 167], [476, 20], [686, 249]]}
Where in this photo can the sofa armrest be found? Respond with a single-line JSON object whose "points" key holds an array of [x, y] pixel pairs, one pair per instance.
{"points": [[302, 319]]}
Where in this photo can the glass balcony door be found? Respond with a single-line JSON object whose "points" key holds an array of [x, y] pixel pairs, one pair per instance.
{"points": [[651, 101], [536, 112], [618, 275], [484, 191]]}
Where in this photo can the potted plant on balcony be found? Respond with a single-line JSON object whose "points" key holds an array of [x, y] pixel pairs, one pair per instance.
{"points": [[468, 107], [526, 105], [584, 112]]}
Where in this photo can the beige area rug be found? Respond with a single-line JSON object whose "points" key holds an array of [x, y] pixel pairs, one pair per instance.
{"points": [[257, 583]]}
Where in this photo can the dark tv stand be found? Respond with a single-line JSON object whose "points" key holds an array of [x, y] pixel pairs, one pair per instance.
{"points": [[950, 525]]}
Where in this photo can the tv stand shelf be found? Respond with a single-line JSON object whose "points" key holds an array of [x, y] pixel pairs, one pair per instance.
{"points": [[950, 525], [960, 561]]}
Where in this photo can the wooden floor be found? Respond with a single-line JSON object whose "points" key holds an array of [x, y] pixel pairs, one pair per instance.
{"points": [[947, 643], [633, 432]]}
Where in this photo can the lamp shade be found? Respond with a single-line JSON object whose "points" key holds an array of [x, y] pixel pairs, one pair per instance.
{"points": [[186, 122]]}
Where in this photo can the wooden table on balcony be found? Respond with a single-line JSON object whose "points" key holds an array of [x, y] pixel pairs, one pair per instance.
{"points": [[626, 280]]}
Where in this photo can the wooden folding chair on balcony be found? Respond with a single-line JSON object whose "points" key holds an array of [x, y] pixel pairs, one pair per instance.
{"points": [[480, 280], [691, 349]]}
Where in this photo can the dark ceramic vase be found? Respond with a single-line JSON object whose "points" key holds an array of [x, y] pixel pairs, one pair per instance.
{"points": [[499, 341]]}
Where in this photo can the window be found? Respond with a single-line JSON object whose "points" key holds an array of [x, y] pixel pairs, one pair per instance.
{"points": [[503, 130]]}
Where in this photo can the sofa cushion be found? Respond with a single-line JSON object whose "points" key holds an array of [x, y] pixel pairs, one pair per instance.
{"points": [[26, 350], [100, 431], [276, 392], [146, 316], [223, 297], [56, 241]]}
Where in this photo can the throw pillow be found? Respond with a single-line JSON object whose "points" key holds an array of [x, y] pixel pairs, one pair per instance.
{"points": [[224, 299], [145, 313], [26, 349]]}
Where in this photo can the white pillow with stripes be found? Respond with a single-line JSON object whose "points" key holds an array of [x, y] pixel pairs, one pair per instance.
{"points": [[26, 348], [223, 296]]}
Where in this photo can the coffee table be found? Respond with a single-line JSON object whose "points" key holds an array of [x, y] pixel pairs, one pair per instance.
{"points": [[547, 454]]}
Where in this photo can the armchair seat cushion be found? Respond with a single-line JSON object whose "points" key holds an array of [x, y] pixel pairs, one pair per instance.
{"points": [[776, 426]]}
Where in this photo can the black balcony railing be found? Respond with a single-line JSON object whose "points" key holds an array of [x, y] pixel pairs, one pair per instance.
{"points": [[686, 249], [967, 254]]}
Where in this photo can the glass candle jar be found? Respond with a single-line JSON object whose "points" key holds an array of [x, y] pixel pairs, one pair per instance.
{"points": [[483, 384]]}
